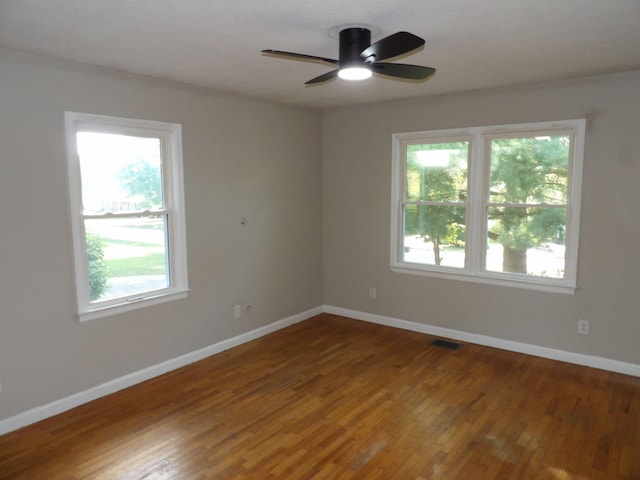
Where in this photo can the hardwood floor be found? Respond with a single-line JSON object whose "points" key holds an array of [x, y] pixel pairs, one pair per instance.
{"points": [[334, 398]]}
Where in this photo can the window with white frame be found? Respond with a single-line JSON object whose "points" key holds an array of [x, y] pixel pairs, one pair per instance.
{"points": [[127, 208], [495, 204]]}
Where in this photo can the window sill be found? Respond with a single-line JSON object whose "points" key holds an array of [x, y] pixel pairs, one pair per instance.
{"points": [[488, 279], [153, 298]]}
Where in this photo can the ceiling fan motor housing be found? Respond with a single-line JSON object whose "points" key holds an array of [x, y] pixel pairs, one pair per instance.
{"points": [[352, 42]]}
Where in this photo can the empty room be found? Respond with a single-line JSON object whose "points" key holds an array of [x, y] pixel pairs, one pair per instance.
{"points": [[328, 240]]}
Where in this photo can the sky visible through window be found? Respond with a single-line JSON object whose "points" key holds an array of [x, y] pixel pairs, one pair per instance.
{"points": [[102, 157]]}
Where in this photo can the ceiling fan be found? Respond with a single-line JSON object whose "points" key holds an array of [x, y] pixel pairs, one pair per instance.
{"points": [[358, 58]]}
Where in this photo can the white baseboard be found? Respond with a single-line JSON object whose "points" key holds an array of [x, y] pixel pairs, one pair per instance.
{"points": [[45, 411], [64, 404], [536, 350]]}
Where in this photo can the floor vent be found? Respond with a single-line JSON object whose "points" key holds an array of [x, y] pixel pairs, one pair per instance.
{"points": [[445, 344]]}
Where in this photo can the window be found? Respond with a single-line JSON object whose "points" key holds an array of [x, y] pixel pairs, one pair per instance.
{"points": [[498, 205], [127, 208]]}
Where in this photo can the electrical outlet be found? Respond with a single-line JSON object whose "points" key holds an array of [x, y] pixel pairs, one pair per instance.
{"points": [[373, 294], [583, 327], [237, 312]]}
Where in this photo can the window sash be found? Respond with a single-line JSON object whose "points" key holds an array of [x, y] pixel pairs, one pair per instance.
{"points": [[169, 264]]}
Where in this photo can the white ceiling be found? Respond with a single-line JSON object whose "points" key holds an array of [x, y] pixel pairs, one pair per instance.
{"points": [[473, 44]]}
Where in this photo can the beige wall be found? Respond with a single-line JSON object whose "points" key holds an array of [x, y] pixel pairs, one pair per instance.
{"points": [[242, 158], [274, 165], [357, 170]]}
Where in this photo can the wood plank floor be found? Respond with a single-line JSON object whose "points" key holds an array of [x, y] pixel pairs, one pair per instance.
{"points": [[334, 398]]}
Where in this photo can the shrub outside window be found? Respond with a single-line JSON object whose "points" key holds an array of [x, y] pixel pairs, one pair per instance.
{"points": [[497, 204], [127, 208]]}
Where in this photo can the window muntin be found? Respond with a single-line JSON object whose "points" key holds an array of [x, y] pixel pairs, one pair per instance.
{"points": [[127, 210], [516, 225]]}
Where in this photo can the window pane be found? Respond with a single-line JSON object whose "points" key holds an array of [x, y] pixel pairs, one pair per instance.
{"points": [[437, 172], [530, 170], [528, 241], [434, 235], [127, 256], [120, 173]]}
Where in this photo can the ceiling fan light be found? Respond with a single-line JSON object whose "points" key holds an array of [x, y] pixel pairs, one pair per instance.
{"points": [[354, 73]]}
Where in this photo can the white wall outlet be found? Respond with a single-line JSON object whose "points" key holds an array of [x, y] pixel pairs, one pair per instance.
{"points": [[373, 294], [583, 327], [237, 311]]}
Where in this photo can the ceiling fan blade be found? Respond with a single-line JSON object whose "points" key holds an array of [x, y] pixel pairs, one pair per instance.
{"points": [[300, 56], [391, 46], [401, 70], [323, 78]]}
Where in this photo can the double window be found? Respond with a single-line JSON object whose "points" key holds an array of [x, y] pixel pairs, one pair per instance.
{"points": [[127, 207], [497, 204]]}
